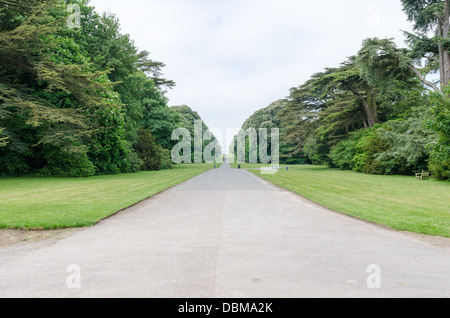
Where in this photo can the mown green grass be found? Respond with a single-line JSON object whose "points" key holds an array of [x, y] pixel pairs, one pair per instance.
{"points": [[53, 203], [399, 202], [235, 165]]}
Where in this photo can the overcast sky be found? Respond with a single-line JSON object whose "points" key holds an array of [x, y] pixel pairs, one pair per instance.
{"points": [[230, 58]]}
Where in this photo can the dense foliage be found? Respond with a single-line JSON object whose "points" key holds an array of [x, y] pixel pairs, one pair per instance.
{"points": [[377, 112], [267, 118], [78, 101], [205, 140]]}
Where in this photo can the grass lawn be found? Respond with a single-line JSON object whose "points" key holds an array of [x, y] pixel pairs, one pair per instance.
{"points": [[52, 203], [398, 202]]}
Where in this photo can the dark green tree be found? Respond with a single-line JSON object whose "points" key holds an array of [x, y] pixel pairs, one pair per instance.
{"points": [[151, 154], [440, 123]]}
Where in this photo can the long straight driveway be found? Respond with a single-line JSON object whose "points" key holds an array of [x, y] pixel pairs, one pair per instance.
{"points": [[226, 233]]}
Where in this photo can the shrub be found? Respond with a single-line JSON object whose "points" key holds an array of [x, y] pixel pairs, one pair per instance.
{"points": [[63, 164], [13, 164], [108, 149], [342, 155], [409, 142], [440, 123], [439, 170], [134, 163], [366, 150], [316, 149], [154, 157], [166, 159]]}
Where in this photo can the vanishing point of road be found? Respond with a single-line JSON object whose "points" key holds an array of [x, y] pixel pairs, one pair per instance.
{"points": [[228, 234]]}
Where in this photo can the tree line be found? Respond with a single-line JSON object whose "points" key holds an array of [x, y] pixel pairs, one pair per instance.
{"points": [[379, 111], [79, 101]]}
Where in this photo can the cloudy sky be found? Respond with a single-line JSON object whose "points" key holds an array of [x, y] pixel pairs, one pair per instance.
{"points": [[230, 58]]}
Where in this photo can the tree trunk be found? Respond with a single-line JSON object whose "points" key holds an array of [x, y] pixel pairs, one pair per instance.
{"points": [[368, 104], [441, 55], [445, 35], [373, 105], [364, 120], [367, 109]]}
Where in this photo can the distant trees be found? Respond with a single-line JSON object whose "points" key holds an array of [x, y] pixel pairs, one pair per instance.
{"points": [[203, 136], [253, 144]]}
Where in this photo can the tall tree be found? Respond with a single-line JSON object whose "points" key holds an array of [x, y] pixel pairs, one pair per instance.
{"points": [[431, 15], [299, 117], [348, 77], [36, 67]]}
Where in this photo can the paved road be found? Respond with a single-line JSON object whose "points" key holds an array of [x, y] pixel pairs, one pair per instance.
{"points": [[226, 233]]}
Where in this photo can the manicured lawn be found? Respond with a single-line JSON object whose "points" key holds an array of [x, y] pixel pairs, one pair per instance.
{"points": [[398, 202], [51, 203]]}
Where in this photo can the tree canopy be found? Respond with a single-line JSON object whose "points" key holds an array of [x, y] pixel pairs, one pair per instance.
{"points": [[375, 113], [77, 101]]}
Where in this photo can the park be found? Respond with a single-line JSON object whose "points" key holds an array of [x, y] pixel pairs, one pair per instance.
{"points": [[113, 184]]}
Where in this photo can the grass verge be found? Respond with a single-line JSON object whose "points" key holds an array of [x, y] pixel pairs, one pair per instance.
{"points": [[399, 202], [52, 203]]}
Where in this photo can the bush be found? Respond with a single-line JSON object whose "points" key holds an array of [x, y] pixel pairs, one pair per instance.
{"points": [[153, 156], [166, 159], [316, 150], [134, 162], [439, 170], [366, 150], [13, 164], [440, 123], [342, 155], [439, 166], [63, 164], [358, 152], [408, 142], [108, 149], [396, 147]]}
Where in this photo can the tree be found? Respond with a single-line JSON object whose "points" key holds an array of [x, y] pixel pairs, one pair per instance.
{"points": [[53, 99], [267, 118], [440, 123], [137, 78], [81, 93], [29, 68], [320, 113], [408, 145], [153, 70], [188, 119], [299, 117], [348, 77], [323, 118], [431, 15], [161, 120], [153, 156]]}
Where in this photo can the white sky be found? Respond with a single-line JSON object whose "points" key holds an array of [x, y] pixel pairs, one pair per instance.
{"points": [[230, 58]]}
